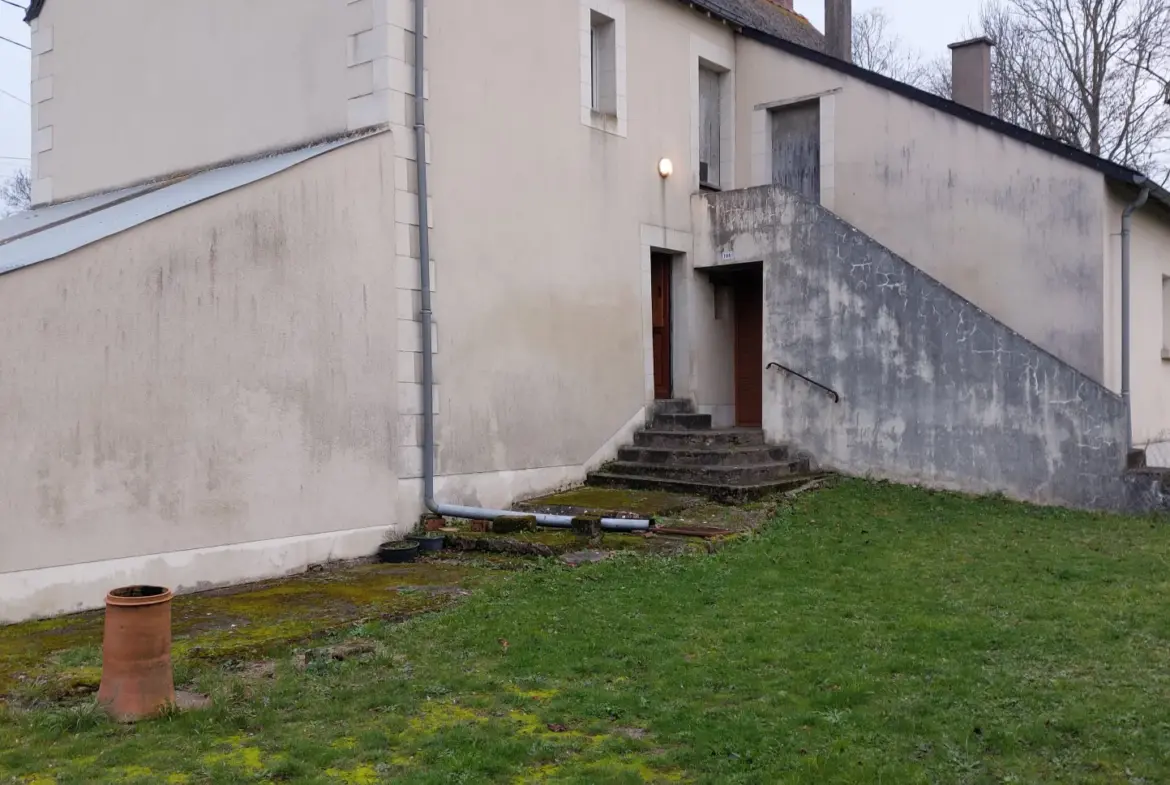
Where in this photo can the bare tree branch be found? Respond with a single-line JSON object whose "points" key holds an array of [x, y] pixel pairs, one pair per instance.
{"points": [[16, 191], [877, 48], [1086, 72]]}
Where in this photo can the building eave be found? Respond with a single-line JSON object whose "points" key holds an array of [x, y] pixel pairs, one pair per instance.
{"points": [[1115, 172]]}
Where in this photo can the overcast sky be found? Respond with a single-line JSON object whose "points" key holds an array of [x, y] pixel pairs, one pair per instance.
{"points": [[927, 25]]}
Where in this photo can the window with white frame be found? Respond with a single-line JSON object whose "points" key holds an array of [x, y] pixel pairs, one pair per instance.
{"points": [[603, 63], [710, 128], [712, 115]]}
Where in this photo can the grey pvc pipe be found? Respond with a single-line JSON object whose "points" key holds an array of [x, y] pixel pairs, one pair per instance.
{"points": [[1126, 235], [426, 317]]}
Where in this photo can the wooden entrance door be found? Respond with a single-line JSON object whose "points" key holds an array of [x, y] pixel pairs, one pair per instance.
{"points": [[749, 350], [660, 268]]}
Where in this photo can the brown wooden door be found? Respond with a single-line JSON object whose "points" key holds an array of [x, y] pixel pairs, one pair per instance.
{"points": [[749, 351], [660, 267]]}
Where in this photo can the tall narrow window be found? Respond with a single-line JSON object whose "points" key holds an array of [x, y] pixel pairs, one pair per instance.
{"points": [[603, 65], [1165, 317], [710, 127]]}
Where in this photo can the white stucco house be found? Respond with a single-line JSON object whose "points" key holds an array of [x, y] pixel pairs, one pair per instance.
{"points": [[219, 319]]}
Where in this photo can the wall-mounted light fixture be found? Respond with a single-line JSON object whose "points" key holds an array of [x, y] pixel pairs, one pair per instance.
{"points": [[665, 168]]}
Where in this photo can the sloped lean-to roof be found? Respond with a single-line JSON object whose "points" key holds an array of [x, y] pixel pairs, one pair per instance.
{"points": [[49, 232]]}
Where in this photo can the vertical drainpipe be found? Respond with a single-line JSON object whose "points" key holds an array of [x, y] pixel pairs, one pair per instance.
{"points": [[426, 318], [424, 257], [1126, 234]]}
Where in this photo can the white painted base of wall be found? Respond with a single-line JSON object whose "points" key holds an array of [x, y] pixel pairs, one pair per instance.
{"points": [[498, 490], [722, 415], [1158, 455], [34, 594]]}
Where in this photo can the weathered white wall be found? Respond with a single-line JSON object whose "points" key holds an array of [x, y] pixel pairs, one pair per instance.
{"points": [[543, 225], [1015, 230], [218, 376], [127, 90], [1150, 373]]}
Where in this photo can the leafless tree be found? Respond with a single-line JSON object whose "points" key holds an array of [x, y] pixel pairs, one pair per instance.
{"points": [[16, 191], [876, 47], [1103, 69], [1094, 74]]}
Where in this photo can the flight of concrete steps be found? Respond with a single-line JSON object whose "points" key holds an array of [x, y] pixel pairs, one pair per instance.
{"points": [[680, 451]]}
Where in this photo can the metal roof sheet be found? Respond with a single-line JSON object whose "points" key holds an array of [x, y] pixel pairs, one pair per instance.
{"points": [[49, 232]]}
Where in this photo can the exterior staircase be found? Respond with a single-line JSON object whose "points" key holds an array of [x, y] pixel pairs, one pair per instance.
{"points": [[680, 451]]}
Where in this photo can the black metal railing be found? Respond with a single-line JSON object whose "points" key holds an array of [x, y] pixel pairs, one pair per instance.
{"points": [[833, 393]]}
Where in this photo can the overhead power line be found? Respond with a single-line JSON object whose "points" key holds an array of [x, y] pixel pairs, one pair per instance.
{"points": [[12, 158], [14, 97], [14, 5], [17, 43]]}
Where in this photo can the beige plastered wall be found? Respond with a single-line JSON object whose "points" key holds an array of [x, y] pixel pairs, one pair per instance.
{"points": [[1150, 373], [1014, 229], [544, 219], [206, 398], [129, 90]]}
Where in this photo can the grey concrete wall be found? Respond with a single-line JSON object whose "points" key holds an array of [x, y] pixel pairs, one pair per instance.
{"points": [[933, 389]]}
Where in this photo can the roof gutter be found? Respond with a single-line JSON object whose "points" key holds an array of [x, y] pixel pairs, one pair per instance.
{"points": [[426, 317]]}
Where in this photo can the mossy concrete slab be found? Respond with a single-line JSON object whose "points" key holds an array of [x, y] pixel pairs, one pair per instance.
{"points": [[62, 656], [610, 503]]}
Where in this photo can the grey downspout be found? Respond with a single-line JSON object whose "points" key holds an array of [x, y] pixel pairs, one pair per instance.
{"points": [[1126, 233], [428, 359]]}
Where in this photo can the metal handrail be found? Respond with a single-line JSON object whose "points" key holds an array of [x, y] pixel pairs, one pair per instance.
{"points": [[830, 391]]}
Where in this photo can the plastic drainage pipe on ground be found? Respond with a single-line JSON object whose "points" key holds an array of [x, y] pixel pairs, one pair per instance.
{"points": [[425, 316], [549, 521]]}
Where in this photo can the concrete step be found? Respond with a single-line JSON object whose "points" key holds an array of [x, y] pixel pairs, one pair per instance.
{"points": [[728, 494], [674, 406], [735, 456], [688, 421], [715, 475], [699, 440]]}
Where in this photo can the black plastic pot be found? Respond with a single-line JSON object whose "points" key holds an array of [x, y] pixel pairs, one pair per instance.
{"points": [[428, 542], [397, 552]]}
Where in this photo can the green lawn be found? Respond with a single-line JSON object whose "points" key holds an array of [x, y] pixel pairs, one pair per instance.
{"points": [[871, 634]]}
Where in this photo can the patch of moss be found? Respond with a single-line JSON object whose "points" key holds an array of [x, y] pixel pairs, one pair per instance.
{"points": [[360, 775], [61, 658], [438, 715], [241, 756], [589, 500]]}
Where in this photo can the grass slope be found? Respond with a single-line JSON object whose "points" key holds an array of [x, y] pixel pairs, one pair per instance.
{"points": [[872, 634]]}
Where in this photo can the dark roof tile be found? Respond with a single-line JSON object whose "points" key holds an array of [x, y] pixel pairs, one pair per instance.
{"points": [[768, 17]]}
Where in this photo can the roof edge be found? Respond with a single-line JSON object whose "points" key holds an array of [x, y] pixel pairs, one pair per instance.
{"points": [[1113, 171], [34, 10], [138, 205]]}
